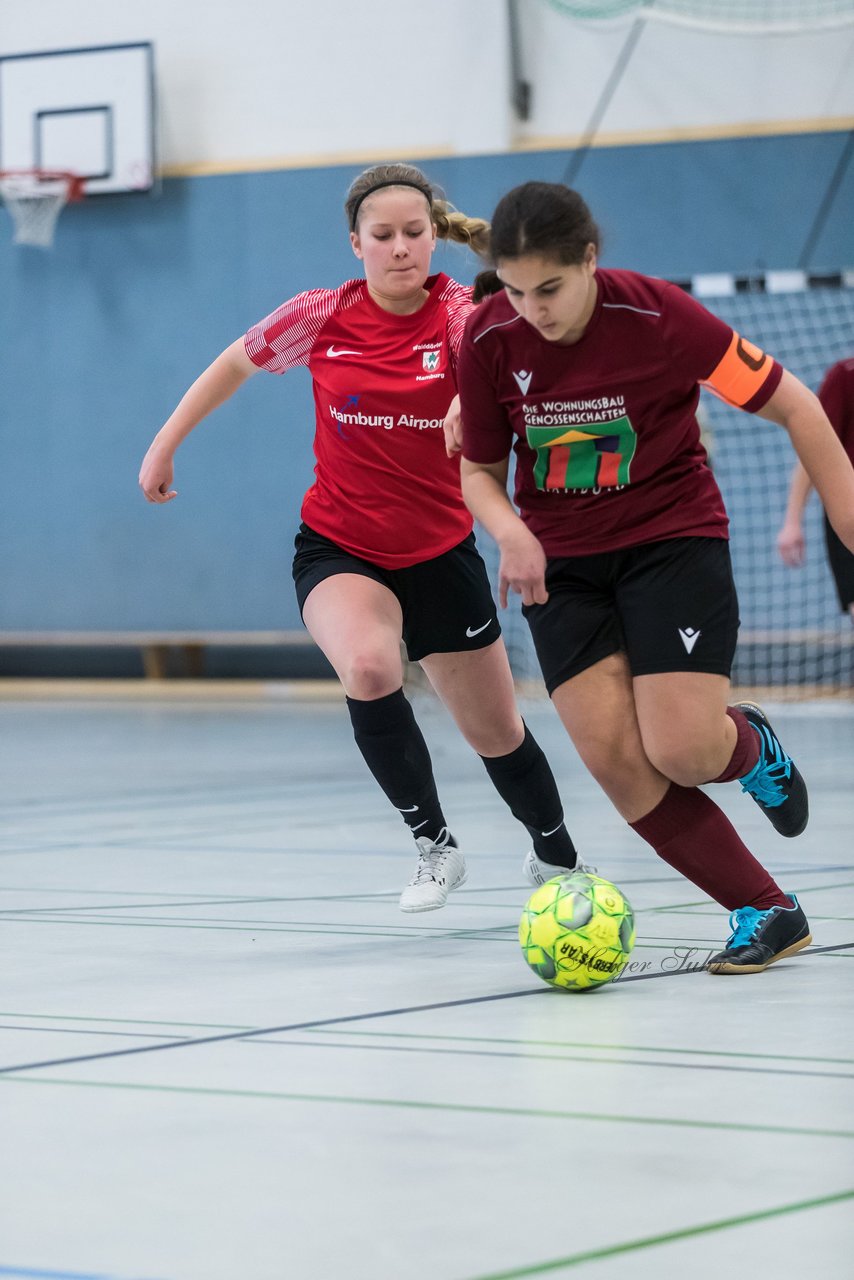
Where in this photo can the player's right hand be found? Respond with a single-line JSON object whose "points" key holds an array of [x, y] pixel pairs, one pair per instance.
{"points": [[156, 475], [522, 568]]}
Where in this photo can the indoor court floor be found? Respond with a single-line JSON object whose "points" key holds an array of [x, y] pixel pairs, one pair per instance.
{"points": [[227, 1055]]}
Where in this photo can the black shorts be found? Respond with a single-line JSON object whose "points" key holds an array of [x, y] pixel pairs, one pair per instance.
{"points": [[446, 602], [841, 563], [670, 605]]}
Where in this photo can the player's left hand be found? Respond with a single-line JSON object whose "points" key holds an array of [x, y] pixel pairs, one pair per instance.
{"points": [[791, 545], [453, 428]]}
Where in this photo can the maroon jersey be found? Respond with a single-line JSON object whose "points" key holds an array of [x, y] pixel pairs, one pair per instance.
{"points": [[384, 488], [836, 394], [607, 445]]}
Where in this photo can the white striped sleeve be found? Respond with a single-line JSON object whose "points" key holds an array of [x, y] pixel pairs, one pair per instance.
{"points": [[286, 338], [457, 300]]}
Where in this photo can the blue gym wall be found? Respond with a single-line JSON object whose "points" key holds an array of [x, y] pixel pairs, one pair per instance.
{"points": [[101, 336]]}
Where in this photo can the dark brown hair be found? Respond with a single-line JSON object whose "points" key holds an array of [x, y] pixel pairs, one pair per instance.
{"points": [[544, 218]]}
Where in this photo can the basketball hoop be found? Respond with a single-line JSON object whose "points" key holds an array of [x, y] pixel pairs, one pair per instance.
{"points": [[35, 198]]}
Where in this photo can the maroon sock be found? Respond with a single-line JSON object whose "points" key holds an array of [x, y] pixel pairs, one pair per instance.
{"points": [[692, 834], [746, 751]]}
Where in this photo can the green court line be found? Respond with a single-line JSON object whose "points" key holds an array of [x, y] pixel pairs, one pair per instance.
{"points": [[684, 906], [420, 932], [88, 1031], [141, 1022], [451, 1107], [125, 893], [78, 916], [330, 931], [471, 1052], [667, 1237], [412, 932], [584, 1044], [6, 912], [427, 1036], [679, 906]]}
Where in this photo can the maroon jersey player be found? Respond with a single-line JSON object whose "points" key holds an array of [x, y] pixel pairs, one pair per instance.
{"points": [[386, 549], [619, 550], [836, 394]]}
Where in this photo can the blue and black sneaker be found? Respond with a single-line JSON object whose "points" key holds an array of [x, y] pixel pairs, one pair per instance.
{"points": [[774, 782], [760, 938]]}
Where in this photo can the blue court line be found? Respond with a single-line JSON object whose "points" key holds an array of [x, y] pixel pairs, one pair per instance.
{"points": [[29, 1273], [186, 1043]]}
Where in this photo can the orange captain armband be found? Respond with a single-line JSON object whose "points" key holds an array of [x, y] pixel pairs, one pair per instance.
{"points": [[741, 374]]}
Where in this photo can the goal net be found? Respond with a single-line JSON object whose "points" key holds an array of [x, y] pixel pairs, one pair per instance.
{"points": [[793, 637], [749, 17]]}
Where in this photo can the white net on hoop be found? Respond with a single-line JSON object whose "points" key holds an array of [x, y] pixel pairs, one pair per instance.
{"points": [[34, 203]]}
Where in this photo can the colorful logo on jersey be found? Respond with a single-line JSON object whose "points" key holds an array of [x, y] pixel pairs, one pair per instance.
{"points": [[430, 361], [595, 457]]}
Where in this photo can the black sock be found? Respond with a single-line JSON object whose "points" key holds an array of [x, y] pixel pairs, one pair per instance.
{"points": [[394, 750], [525, 782]]}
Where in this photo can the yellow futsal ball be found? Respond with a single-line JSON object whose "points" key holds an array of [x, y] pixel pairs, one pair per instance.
{"points": [[577, 931]]}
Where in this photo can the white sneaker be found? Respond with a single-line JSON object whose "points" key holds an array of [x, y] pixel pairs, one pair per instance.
{"points": [[536, 871], [441, 867]]}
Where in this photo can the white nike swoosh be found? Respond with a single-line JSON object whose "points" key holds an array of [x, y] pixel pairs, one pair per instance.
{"points": [[475, 631], [332, 353], [414, 809], [551, 833]]}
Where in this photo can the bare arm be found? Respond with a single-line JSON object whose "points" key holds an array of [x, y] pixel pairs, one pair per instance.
{"points": [[791, 543], [819, 450], [216, 385], [522, 565]]}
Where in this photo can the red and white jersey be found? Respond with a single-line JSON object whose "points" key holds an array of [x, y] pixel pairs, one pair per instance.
{"points": [[607, 445], [836, 394], [384, 488]]}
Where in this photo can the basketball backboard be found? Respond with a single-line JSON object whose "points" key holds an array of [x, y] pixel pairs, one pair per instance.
{"points": [[83, 111]]}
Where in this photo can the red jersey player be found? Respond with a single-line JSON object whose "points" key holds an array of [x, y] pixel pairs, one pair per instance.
{"points": [[620, 553], [386, 548], [836, 394]]}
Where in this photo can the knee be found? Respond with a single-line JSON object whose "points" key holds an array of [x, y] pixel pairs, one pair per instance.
{"points": [[687, 764], [608, 765], [367, 676], [499, 738]]}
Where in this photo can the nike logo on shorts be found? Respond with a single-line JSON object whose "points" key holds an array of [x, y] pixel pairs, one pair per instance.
{"points": [[475, 631], [414, 809], [332, 353]]}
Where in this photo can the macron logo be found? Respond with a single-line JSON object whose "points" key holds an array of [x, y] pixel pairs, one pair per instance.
{"points": [[523, 381], [689, 637], [332, 353]]}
